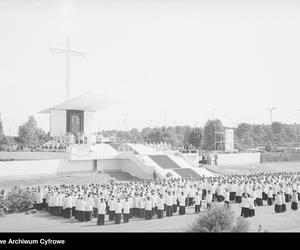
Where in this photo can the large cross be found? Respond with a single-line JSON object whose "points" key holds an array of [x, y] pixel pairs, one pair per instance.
{"points": [[68, 52]]}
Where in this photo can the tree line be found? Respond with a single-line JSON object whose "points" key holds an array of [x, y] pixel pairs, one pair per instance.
{"points": [[246, 136]]}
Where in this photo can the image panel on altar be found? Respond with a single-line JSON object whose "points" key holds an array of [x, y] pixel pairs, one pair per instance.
{"points": [[75, 120]]}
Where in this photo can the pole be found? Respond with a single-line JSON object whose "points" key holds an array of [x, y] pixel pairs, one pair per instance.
{"points": [[271, 114], [68, 68]]}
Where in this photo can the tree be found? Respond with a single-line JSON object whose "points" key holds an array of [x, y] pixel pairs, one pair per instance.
{"points": [[211, 126], [195, 137], [2, 136], [243, 128], [277, 128], [28, 133]]}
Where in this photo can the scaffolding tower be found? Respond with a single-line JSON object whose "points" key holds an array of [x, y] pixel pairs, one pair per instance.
{"points": [[219, 139]]}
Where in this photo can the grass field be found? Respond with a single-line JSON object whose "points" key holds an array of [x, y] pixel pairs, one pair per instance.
{"points": [[258, 168]]}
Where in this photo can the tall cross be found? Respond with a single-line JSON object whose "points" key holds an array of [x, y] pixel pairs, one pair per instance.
{"points": [[68, 53]]}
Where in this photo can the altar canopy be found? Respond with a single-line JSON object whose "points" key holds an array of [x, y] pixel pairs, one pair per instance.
{"points": [[86, 102], [75, 115]]}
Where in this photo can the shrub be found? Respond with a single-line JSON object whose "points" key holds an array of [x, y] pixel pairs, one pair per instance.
{"points": [[3, 207], [219, 219], [240, 225], [18, 200]]}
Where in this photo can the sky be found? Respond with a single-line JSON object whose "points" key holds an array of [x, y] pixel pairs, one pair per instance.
{"points": [[178, 62]]}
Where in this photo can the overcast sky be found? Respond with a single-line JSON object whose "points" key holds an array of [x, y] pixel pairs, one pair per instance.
{"points": [[180, 61]]}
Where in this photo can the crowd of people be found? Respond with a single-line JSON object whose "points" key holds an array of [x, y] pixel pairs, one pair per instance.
{"points": [[122, 201]]}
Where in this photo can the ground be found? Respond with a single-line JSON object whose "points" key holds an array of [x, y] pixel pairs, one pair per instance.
{"points": [[43, 222]]}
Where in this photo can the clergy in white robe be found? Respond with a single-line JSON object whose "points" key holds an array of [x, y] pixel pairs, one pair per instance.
{"points": [[126, 210], [101, 212], [160, 207]]}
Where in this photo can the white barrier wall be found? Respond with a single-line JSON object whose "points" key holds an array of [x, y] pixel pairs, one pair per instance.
{"points": [[238, 158], [42, 167], [109, 165], [33, 155]]}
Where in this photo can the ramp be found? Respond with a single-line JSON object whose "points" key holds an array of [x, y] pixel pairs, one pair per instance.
{"points": [[164, 161], [187, 173]]}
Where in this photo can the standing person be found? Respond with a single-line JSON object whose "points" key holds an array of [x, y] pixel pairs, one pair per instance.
{"points": [[154, 203], [295, 200], [130, 201], [77, 205], [259, 200], [111, 209], [56, 204], [135, 200], [148, 209], [160, 207], [51, 204], [169, 204], [216, 159], [220, 192], [191, 196], [68, 207], [287, 193], [39, 199], [283, 201], [278, 203], [245, 206], [126, 211], [154, 175], [209, 198], [298, 190], [251, 206], [64, 203], [239, 192], [118, 211], [226, 196], [60, 204], [197, 202], [174, 202], [74, 200], [231, 190], [95, 206], [181, 199], [141, 206], [88, 210], [101, 212], [80, 209], [265, 191], [270, 196]]}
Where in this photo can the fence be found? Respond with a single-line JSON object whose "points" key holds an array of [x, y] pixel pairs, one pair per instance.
{"points": [[280, 156]]}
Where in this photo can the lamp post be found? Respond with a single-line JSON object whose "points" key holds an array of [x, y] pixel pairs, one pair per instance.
{"points": [[271, 114]]}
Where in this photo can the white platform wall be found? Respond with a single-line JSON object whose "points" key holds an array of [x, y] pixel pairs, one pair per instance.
{"points": [[89, 123], [58, 121], [238, 158], [42, 167]]}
